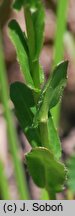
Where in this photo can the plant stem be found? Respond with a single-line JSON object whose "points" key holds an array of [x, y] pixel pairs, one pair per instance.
{"points": [[36, 79], [59, 48], [70, 195], [13, 142], [44, 195], [61, 27], [44, 134], [3, 183], [52, 195]]}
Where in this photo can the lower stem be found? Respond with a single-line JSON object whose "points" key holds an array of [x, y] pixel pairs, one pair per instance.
{"points": [[51, 194], [45, 142], [69, 195], [4, 186], [44, 134]]}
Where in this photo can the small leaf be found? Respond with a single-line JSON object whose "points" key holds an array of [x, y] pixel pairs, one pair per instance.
{"points": [[19, 3], [35, 29], [30, 32], [20, 44], [22, 98], [39, 23], [45, 170], [51, 92]]}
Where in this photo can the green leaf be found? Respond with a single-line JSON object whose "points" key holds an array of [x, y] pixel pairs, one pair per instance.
{"points": [[51, 93], [35, 29], [30, 32], [33, 137], [19, 3], [20, 44], [39, 24], [71, 173], [22, 97], [45, 170], [35, 21]]}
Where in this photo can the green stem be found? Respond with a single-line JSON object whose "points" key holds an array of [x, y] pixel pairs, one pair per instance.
{"points": [[36, 79], [61, 27], [4, 188], [44, 194], [44, 134], [13, 142], [52, 195], [35, 73], [59, 47], [69, 195]]}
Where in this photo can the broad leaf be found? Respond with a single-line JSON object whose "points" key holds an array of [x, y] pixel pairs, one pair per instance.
{"points": [[22, 97], [20, 44], [51, 93], [45, 170]]}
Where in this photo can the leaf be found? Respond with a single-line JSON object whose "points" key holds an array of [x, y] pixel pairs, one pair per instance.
{"points": [[35, 29], [51, 92], [19, 3], [39, 24], [22, 98], [45, 170], [20, 44], [33, 137], [71, 173], [30, 32], [35, 22]]}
